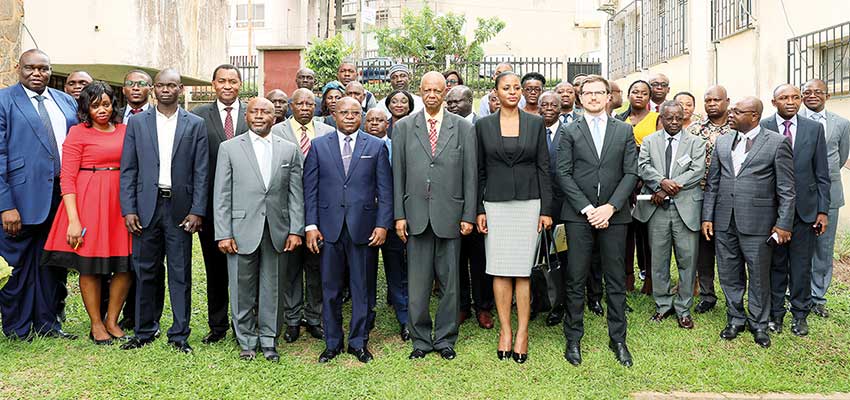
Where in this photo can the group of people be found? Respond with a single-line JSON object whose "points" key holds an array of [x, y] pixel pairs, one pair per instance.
{"points": [[295, 196]]}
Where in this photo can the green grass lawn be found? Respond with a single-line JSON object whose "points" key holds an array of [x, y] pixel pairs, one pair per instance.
{"points": [[666, 359]]}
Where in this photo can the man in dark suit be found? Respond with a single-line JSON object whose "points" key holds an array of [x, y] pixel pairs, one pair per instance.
{"points": [[473, 260], [348, 204], [34, 120], [281, 104], [164, 188], [435, 182], [567, 95], [748, 206], [224, 119], [791, 268], [597, 170]]}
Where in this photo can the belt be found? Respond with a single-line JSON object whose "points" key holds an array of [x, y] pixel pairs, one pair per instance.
{"points": [[165, 193], [101, 169]]}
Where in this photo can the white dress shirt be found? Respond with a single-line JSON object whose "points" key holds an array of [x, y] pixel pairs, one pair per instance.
{"points": [[470, 118], [128, 109], [57, 118], [779, 124], [739, 154], [234, 113], [675, 144], [598, 141], [165, 128], [553, 129], [263, 152]]}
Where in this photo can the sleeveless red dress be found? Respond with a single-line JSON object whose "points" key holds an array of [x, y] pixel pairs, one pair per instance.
{"points": [[107, 244]]}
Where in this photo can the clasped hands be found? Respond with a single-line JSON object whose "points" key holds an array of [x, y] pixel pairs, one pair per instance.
{"points": [[598, 216]]}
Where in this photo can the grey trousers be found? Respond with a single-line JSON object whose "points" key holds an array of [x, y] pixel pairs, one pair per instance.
{"points": [[822, 260], [429, 256], [667, 231], [301, 288], [738, 253], [254, 283]]}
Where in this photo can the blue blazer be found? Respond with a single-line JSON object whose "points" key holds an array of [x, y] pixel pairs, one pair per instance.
{"points": [[27, 169], [140, 167], [362, 200]]}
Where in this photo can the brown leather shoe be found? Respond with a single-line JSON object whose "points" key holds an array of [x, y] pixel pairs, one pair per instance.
{"points": [[485, 319], [686, 322], [462, 317]]}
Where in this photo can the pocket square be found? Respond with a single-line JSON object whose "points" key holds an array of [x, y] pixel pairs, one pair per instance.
{"points": [[366, 157], [284, 165]]}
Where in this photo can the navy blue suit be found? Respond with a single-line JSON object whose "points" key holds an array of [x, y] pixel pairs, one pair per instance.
{"points": [[160, 216], [346, 209], [29, 182]]}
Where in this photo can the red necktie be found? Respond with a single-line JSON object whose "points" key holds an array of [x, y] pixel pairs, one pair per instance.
{"points": [[787, 132], [432, 135], [135, 111], [228, 123], [305, 141]]}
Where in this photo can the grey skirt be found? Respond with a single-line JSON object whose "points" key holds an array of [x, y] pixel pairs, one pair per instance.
{"points": [[511, 240]]}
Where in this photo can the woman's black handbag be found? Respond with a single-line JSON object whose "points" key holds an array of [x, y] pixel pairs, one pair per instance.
{"points": [[546, 259]]}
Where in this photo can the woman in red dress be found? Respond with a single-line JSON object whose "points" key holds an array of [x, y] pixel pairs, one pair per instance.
{"points": [[88, 233]]}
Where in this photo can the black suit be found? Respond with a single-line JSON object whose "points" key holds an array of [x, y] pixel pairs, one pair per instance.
{"points": [[215, 261], [791, 267], [591, 178], [476, 287]]}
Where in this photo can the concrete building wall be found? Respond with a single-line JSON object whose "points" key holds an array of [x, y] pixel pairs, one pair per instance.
{"points": [[11, 16], [286, 23]]}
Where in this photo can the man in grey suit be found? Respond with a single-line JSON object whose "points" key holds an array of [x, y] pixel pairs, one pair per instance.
{"points": [[434, 181], [748, 207], [815, 95], [259, 214], [299, 298], [791, 268], [597, 171], [224, 119], [671, 165]]}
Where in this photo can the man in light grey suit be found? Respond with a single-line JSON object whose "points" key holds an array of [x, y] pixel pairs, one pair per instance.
{"points": [[434, 181], [297, 297], [672, 164], [815, 95], [748, 207], [259, 209]]}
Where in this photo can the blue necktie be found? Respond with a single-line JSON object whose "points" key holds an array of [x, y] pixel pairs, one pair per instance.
{"points": [[51, 135]]}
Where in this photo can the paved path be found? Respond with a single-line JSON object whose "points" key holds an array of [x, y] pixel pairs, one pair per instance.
{"points": [[737, 396]]}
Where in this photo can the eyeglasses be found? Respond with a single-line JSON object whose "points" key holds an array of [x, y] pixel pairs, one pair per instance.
{"points": [[141, 84], [595, 93], [659, 84], [818, 92], [452, 81], [736, 111]]}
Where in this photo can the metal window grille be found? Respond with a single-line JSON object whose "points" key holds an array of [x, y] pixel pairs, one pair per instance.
{"points": [[729, 17], [624, 41], [664, 30], [823, 54]]}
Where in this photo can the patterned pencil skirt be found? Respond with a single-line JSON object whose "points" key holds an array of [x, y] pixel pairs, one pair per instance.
{"points": [[511, 240]]}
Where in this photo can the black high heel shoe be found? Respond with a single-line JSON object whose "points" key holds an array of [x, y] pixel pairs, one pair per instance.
{"points": [[504, 354], [520, 358], [105, 342]]}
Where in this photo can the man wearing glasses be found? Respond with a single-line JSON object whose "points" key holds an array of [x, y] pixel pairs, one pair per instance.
{"points": [[659, 85]]}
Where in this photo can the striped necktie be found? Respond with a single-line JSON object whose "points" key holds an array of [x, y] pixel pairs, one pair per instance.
{"points": [[304, 143]]}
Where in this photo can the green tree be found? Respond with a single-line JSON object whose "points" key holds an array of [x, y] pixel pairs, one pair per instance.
{"points": [[429, 38], [324, 57]]}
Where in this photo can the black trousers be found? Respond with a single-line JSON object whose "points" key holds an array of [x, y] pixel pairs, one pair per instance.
{"points": [[474, 280], [215, 263], [791, 269], [705, 270]]}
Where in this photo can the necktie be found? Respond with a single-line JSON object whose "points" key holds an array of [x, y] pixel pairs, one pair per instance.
{"points": [[135, 111], [668, 156], [787, 132], [305, 141], [597, 137], [228, 123], [432, 135], [51, 135], [549, 137], [749, 145], [820, 118], [346, 154]]}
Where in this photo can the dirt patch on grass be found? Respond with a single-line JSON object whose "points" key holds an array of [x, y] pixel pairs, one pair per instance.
{"points": [[841, 270]]}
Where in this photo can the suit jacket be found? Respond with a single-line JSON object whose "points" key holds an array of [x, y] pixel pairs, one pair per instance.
{"points": [[688, 173], [284, 130], [761, 195], [524, 176], [438, 190], [557, 193], [140, 161], [215, 135], [361, 200], [588, 179], [837, 148], [242, 203], [811, 171], [27, 167]]}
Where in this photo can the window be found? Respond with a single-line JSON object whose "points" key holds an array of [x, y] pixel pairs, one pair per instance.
{"points": [[823, 54], [256, 18], [729, 17], [664, 27], [624, 35], [382, 18]]}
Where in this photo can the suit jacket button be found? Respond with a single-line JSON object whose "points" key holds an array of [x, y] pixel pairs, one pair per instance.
{"points": [[51, 157], [262, 213], [345, 186], [432, 165]]}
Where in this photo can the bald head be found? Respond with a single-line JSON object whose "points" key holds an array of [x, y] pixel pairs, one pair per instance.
{"points": [[34, 70], [305, 78], [348, 115], [260, 116], [716, 104], [459, 100], [168, 73], [280, 101], [745, 114], [376, 122], [659, 87], [432, 88], [356, 91], [303, 105], [167, 88], [815, 95]]}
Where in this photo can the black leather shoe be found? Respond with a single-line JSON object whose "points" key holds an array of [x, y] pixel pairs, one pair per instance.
{"points": [[573, 353], [270, 354], [363, 355], [761, 338], [775, 325], [404, 333], [555, 317], [448, 353], [820, 310], [622, 353], [800, 327], [596, 308], [328, 354], [417, 354], [292, 333], [247, 355], [704, 306], [315, 331], [520, 358], [59, 334], [731, 331], [181, 346], [214, 337], [105, 342], [135, 343], [504, 355]]}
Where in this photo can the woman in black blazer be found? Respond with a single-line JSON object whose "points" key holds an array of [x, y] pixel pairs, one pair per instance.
{"points": [[515, 201]]}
